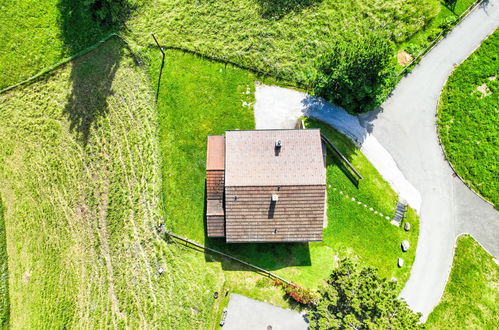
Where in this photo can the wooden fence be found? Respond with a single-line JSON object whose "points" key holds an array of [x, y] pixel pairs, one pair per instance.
{"points": [[196, 246]]}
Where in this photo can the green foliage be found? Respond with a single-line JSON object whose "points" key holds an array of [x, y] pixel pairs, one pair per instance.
{"points": [[358, 298], [357, 74], [447, 14], [4, 273], [284, 37], [471, 294], [468, 117], [109, 12]]}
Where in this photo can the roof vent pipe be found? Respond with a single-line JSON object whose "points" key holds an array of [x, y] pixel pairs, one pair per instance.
{"points": [[278, 143]]}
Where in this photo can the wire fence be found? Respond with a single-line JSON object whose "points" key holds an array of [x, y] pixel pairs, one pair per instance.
{"points": [[439, 37], [225, 61], [203, 248]]}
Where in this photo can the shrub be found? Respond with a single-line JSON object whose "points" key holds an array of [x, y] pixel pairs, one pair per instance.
{"points": [[299, 294], [357, 74], [110, 12], [358, 298]]}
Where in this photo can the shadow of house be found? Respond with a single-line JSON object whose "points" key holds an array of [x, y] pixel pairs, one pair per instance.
{"points": [[92, 74], [269, 256], [277, 9]]}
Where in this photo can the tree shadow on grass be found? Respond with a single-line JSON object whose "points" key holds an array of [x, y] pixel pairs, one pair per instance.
{"points": [[92, 75], [277, 9]]}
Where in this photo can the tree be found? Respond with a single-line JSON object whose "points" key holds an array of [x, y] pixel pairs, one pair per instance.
{"points": [[357, 73], [357, 298], [109, 12]]}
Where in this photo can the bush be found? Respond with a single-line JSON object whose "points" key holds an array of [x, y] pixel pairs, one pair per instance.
{"points": [[109, 12], [358, 298], [299, 294], [357, 74]]}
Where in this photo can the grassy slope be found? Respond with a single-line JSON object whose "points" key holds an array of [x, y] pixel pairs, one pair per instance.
{"points": [[217, 94], [284, 37], [80, 219], [446, 15], [37, 34], [354, 229], [4, 274], [468, 120], [471, 295]]}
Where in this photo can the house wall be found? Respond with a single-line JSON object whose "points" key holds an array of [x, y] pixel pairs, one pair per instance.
{"points": [[251, 216]]}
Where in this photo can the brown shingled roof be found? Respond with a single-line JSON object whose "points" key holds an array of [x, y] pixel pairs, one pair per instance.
{"points": [[216, 152], [251, 158]]}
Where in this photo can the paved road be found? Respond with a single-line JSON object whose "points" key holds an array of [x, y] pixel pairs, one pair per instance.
{"points": [[244, 313], [406, 128]]}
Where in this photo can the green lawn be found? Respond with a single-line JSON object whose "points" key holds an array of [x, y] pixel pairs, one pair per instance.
{"points": [[218, 93], [468, 117], [471, 295], [4, 274], [40, 34], [446, 17]]}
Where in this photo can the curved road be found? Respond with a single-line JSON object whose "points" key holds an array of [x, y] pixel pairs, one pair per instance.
{"points": [[406, 128]]}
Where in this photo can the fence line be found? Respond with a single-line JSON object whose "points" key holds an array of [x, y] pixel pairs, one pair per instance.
{"points": [[205, 248], [238, 65], [64, 61], [440, 36]]}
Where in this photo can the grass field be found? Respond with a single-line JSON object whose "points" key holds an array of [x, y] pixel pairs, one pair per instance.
{"points": [[4, 274], [280, 37], [468, 117], [40, 34], [80, 182], [471, 295], [218, 93]]}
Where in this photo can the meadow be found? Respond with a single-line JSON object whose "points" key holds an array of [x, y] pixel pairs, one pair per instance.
{"points": [[284, 38], [80, 182], [39, 34], [471, 295], [446, 18], [468, 117]]}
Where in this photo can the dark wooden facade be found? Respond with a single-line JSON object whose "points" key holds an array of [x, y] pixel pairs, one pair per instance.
{"points": [[252, 216]]}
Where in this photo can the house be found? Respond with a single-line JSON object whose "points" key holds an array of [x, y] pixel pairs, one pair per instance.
{"points": [[266, 186]]}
